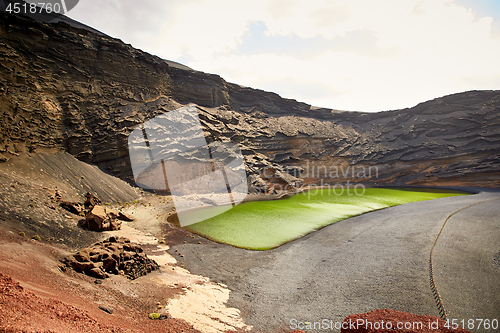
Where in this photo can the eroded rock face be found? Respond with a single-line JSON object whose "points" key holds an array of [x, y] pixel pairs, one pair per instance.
{"points": [[69, 88], [390, 320], [116, 255]]}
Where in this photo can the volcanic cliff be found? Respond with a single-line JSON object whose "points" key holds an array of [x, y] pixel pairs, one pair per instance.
{"points": [[83, 92]]}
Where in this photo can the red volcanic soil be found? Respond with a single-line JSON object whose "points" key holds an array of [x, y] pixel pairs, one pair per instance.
{"points": [[36, 296]]}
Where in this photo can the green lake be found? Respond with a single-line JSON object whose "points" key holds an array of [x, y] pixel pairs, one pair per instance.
{"points": [[263, 225]]}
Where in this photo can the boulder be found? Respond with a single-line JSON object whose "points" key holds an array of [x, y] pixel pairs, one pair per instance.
{"points": [[95, 218], [101, 218], [82, 256]]}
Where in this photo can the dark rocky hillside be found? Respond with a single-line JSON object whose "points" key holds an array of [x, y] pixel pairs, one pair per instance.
{"points": [[82, 92]]}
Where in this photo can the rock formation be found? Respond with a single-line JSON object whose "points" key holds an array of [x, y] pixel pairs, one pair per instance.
{"points": [[116, 255], [83, 92]]}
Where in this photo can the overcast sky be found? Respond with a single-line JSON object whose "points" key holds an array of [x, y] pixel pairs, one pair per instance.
{"points": [[361, 55]]}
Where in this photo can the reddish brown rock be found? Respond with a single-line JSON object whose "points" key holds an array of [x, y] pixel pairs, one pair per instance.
{"points": [[384, 320], [101, 218], [449, 140], [115, 255], [80, 267]]}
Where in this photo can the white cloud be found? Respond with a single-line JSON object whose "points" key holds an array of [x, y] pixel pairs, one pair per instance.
{"points": [[370, 55]]}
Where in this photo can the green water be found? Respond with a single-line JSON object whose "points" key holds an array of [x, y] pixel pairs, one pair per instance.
{"points": [[263, 225]]}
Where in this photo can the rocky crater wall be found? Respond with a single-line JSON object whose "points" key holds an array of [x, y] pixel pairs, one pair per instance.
{"points": [[72, 89]]}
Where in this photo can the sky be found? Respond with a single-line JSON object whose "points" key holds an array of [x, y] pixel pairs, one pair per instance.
{"points": [[357, 55]]}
